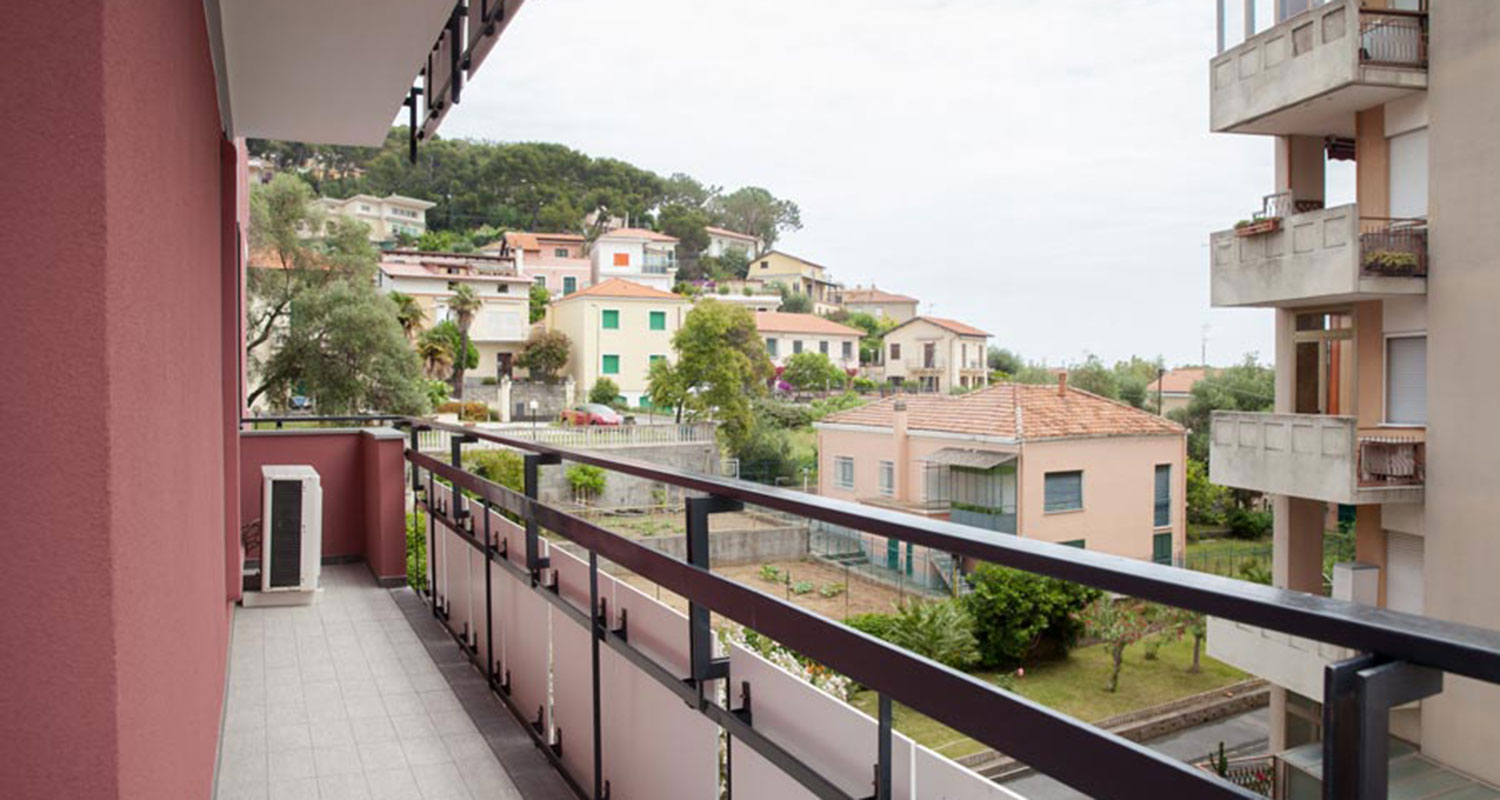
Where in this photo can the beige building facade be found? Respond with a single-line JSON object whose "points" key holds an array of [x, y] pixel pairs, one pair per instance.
{"points": [[879, 303], [500, 327], [800, 276], [788, 334], [617, 328], [937, 354], [1385, 315], [388, 217]]}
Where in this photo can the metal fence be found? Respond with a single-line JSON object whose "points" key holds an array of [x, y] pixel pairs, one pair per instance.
{"points": [[900, 565], [437, 440], [1393, 38], [1392, 247], [1403, 657]]}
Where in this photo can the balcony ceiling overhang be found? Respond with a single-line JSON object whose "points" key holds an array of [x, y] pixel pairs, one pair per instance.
{"points": [[1330, 114], [325, 71]]}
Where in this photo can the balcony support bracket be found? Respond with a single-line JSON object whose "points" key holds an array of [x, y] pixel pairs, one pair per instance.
{"points": [[704, 667], [1358, 695]]}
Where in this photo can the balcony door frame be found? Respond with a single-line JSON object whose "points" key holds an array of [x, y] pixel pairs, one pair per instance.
{"points": [[1330, 343]]}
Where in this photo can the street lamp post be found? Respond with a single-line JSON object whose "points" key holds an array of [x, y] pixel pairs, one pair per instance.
{"points": [[533, 406]]}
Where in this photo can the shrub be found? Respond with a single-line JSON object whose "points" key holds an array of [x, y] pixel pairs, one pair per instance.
{"points": [[587, 480], [505, 467], [475, 412], [1017, 612], [778, 414], [875, 624], [812, 370], [835, 403], [416, 550], [769, 572], [802, 587], [604, 392], [449, 407], [489, 380], [1247, 524], [864, 385], [940, 630], [544, 354], [831, 590]]}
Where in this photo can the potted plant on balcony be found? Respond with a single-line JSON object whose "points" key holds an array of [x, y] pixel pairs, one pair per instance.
{"points": [[1392, 263], [1257, 226]]}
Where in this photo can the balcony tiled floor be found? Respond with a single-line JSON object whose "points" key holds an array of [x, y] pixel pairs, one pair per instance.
{"points": [[343, 699]]}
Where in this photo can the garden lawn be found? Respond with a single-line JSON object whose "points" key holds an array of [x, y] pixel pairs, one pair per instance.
{"points": [[1075, 686]]}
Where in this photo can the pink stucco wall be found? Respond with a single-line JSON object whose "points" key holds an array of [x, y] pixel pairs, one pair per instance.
{"points": [[112, 588], [361, 475], [1119, 482]]}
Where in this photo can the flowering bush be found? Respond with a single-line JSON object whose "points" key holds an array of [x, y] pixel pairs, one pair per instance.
{"points": [[808, 670]]}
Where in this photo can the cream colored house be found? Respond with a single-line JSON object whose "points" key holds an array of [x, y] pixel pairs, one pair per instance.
{"points": [[617, 328], [799, 275], [636, 255], [938, 354], [387, 216], [1371, 411], [1042, 462], [723, 240], [880, 303], [499, 329], [788, 334]]}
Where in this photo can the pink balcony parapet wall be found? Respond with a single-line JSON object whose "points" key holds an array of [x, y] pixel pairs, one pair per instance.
{"points": [[361, 471]]}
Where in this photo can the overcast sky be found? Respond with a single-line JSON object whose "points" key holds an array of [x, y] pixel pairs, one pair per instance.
{"points": [[1039, 168]]}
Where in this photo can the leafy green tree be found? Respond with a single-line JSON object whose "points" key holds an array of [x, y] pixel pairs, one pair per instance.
{"points": [[755, 211], [505, 467], [587, 481], [810, 370], [687, 223], [441, 241], [795, 303], [1035, 374], [721, 366], [1119, 622], [545, 354], [604, 392], [1003, 360], [540, 297], [1093, 376], [436, 352], [937, 629], [875, 328], [409, 313], [732, 264], [1207, 502], [463, 306], [448, 332], [1247, 386], [664, 387], [1016, 613]]}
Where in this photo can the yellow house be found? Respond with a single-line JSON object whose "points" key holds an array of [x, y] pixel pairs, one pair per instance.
{"points": [[798, 275], [617, 328]]}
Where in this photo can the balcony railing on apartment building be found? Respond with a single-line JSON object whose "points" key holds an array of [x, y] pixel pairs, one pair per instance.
{"points": [[1298, 253], [585, 436], [1314, 456], [1309, 73], [625, 695], [657, 266]]}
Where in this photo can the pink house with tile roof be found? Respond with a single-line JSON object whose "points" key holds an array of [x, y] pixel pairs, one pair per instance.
{"points": [[1045, 462]]}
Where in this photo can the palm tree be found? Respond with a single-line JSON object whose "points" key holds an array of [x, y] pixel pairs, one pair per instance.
{"points": [[409, 313], [436, 353], [464, 305]]}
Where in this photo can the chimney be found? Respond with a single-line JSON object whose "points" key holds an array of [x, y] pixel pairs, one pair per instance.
{"points": [[1062, 384], [903, 447]]}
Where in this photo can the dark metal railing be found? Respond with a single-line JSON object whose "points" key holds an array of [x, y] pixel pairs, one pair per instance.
{"points": [[317, 421], [1391, 246], [1403, 655], [1393, 38], [1392, 461]]}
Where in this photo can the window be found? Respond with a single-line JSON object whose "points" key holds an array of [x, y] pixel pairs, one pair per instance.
{"points": [[1163, 516], [848, 350], [888, 478], [570, 285], [895, 351], [611, 365], [823, 347], [622, 259], [1063, 491], [765, 265], [609, 319], [771, 346], [1406, 380], [843, 472], [796, 345], [658, 320], [503, 288], [1161, 548], [540, 280], [1078, 543], [560, 252], [452, 286]]}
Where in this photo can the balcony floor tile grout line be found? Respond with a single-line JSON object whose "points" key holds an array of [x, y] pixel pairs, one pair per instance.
{"points": [[530, 771]]}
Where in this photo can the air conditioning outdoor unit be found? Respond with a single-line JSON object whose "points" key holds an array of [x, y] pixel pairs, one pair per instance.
{"points": [[291, 547]]}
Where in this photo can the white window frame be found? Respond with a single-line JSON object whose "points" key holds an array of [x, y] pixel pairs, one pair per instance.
{"points": [[1385, 378], [838, 478]]}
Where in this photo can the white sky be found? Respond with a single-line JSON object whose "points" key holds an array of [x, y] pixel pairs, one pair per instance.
{"points": [[1040, 168]]}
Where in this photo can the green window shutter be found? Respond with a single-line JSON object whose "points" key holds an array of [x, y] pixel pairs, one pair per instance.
{"points": [[611, 365], [570, 285], [1161, 548], [1163, 510], [609, 319], [658, 320]]}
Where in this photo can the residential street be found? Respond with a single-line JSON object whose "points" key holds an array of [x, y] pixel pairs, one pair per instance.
{"points": [[1242, 734]]}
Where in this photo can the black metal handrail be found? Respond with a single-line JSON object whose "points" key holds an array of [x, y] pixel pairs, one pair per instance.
{"points": [[360, 419]]}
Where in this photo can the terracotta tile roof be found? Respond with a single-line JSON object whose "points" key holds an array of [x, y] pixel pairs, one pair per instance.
{"points": [[874, 295], [729, 234], [947, 324], [520, 240], [619, 287], [638, 233], [785, 322], [1179, 381], [1027, 412]]}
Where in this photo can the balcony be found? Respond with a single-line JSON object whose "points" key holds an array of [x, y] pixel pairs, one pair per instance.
{"points": [[1288, 661], [1325, 255], [1315, 456], [1310, 74]]}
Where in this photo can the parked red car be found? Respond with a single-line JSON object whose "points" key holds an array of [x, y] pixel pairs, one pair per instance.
{"points": [[592, 414]]}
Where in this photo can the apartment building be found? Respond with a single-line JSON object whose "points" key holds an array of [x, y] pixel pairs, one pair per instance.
{"points": [[937, 354], [877, 302], [618, 328], [499, 328], [388, 217], [636, 255], [1044, 462], [776, 268], [558, 262], [1385, 320], [788, 334], [723, 240]]}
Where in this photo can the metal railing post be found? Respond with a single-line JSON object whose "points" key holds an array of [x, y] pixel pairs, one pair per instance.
{"points": [[532, 464], [489, 599], [596, 633], [883, 751], [1358, 695], [700, 635]]}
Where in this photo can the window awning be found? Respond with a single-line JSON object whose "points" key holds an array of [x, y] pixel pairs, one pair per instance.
{"points": [[970, 459]]}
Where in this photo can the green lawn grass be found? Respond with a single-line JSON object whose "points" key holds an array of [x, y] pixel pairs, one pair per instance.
{"points": [[1075, 686]]}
